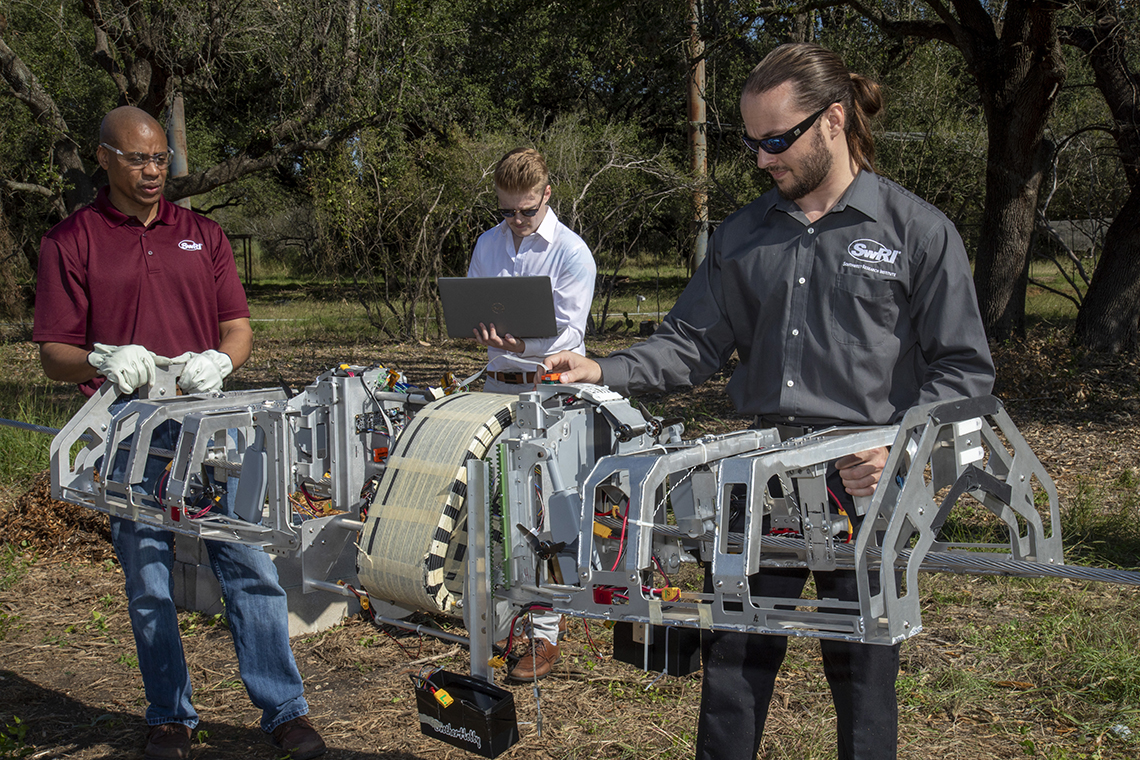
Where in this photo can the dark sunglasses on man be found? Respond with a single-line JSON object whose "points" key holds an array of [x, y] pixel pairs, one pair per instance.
{"points": [[509, 213], [780, 143]]}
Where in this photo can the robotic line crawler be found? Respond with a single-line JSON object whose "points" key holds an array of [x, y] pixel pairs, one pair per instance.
{"points": [[568, 497]]}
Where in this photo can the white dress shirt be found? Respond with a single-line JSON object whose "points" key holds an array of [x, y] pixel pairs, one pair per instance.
{"points": [[555, 251]]}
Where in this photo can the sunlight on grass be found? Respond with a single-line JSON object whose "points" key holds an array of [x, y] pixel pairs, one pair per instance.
{"points": [[26, 452], [302, 310], [1041, 305]]}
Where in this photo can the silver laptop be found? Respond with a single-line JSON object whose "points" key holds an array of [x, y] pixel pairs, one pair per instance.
{"points": [[518, 306]]}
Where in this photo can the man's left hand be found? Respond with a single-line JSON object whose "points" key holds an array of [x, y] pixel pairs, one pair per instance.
{"points": [[203, 372], [487, 336], [860, 472]]}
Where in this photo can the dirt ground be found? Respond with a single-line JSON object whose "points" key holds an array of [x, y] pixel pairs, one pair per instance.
{"points": [[68, 673]]}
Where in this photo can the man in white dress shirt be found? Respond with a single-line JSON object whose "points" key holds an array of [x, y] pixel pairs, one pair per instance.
{"points": [[531, 242]]}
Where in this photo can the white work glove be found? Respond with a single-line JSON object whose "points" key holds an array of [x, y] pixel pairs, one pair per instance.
{"points": [[129, 367], [203, 372]]}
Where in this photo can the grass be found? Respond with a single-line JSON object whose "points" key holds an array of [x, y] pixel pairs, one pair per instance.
{"points": [[316, 309], [26, 452], [14, 561], [1101, 523]]}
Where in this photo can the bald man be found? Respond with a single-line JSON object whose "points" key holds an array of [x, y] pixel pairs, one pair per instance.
{"points": [[127, 284]]}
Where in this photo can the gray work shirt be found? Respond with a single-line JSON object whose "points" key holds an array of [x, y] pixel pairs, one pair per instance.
{"points": [[851, 319]]}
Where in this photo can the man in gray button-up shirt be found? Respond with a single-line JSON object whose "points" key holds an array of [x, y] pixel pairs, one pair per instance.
{"points": [[848, 300]]}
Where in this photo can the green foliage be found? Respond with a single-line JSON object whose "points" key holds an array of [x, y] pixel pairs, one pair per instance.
{"points": [[13, 739], [1100, 523], [198, 622], [13, 565], [26, 452], [8, 622]]}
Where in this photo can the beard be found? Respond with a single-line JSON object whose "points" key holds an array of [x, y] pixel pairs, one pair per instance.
{"points": [[813, 170]]}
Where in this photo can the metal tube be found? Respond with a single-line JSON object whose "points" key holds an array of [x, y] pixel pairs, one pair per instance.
{"points": [[336, 588]]}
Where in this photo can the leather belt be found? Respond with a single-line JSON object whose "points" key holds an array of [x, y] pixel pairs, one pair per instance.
{"points": [[516, 378], [786, 431]]}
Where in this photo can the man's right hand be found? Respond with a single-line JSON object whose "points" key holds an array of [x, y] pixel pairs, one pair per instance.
{"points": [[574, 368], [129, 367]]}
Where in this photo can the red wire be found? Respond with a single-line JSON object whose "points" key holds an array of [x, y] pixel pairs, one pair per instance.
{"points": [[842, 511], [590, 640], [621, 541], [661, 570]]}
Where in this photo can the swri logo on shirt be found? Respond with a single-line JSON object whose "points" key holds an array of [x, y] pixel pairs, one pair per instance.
{"points": [[190, 245], [872, 252]]}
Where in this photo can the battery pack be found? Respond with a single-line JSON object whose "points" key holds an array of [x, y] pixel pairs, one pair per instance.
{"points": [[472, 714]]}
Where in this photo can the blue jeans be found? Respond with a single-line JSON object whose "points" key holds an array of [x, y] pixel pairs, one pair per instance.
{"points": [[256, 610]]}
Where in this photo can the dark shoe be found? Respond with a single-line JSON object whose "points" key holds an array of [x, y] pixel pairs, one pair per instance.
{"points": [[536, 662], [298, 739], [168, 741], [563, 626]]}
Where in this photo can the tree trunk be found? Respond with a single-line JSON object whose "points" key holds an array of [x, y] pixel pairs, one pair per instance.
{"points": [[1001, 272], [1018, 76], [1109, 318]]}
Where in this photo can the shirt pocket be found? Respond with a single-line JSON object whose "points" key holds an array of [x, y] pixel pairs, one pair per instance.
{"points": [[864, 311]]}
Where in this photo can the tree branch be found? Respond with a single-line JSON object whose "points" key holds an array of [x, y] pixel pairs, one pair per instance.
{"points": [[27, 187]]}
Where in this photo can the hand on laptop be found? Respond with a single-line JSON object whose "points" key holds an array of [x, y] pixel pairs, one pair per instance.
{"points": [[486, 336]]}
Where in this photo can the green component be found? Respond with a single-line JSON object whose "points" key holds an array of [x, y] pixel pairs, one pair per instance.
{"points": [[504, 513]]}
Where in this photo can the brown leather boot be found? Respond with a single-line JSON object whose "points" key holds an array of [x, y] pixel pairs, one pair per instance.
{"points": [[539, 657], [298, 739], [168, 741]]}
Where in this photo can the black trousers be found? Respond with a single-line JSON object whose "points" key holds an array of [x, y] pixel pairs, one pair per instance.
{"points": [[740, 676]]}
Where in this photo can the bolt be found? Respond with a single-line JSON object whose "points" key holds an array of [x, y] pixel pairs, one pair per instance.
{"points": [[719, 584], [633, 577]]}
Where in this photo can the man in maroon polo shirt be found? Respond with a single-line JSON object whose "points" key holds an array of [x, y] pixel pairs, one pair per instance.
{"points": [[124, 285]]}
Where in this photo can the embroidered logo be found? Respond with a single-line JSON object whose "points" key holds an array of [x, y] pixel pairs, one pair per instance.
{"points": [[190, 245], [872, 252]]}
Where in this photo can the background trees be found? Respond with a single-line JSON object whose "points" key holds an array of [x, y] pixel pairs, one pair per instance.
{"points": [[356, 138]]}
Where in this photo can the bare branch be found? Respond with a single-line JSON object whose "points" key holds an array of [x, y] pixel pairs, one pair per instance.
{"points": [[27, 187]]}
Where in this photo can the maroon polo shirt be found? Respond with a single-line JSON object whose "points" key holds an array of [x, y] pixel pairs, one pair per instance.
{"points": [[104, 277]]}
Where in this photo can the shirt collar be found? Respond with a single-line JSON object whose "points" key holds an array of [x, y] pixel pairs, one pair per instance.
{"points": [[545, 231], [117, 218], [862, 195], [548, 226]]}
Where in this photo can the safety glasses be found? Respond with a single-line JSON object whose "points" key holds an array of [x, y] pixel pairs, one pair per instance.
{"points": [[139, 160], [780, 143]]}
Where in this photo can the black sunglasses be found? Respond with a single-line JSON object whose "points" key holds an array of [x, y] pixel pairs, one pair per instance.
{"points": [[780, 143], [509, 213]]}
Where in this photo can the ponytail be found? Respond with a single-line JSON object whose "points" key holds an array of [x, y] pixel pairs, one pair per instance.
{"points": [[821, 78]]}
